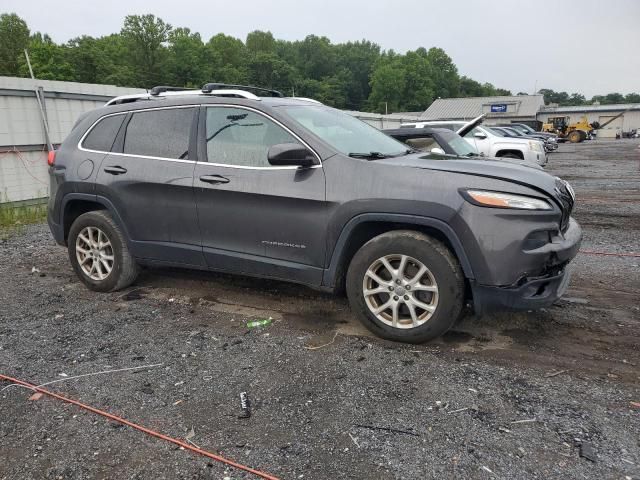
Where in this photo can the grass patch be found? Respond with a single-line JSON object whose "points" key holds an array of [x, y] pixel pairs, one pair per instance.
{"points": [[13, 217]]}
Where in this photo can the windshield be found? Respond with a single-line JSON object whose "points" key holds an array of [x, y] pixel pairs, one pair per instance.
{"points": [[526, 128], [498, 132], [459, 144], [343, 132]]}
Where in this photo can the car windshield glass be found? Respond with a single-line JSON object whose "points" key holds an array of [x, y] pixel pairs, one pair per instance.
{"points": [[526, 129], [498, 132], [459, 144], [343, 132]]}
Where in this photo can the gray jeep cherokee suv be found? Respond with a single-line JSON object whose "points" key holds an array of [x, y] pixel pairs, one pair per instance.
{"points": [[286, 188]]}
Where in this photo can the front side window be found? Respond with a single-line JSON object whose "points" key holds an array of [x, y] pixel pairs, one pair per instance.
{"points": [[103, 134], [159, 133], [242, 138], [344, 132]]}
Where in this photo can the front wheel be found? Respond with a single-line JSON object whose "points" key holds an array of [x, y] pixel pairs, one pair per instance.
{"points": [[406, 286], [99, 253]]}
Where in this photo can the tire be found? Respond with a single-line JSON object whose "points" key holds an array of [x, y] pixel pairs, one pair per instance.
{"points": [[575, 136], [97, 227], [511, 155], [443, 272]]}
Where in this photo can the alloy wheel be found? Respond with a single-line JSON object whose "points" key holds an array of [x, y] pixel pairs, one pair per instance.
{"points": [[94, 253], [400, 291]]}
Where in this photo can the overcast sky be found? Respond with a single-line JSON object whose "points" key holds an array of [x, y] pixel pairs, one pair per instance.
{"points": [[589, 46]]}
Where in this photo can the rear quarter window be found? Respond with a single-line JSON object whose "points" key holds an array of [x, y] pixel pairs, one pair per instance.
{"points": [[103, 134]]}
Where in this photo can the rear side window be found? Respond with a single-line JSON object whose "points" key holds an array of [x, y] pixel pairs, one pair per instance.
{"points": [[103, 134], [159, 133]]}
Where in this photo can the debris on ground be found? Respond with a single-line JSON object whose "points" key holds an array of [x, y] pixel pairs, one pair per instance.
{"points": [[259, 323], [588, 451], [245, 405]]}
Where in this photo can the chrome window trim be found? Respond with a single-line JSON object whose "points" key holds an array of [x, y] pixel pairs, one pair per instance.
{"points": [[241, 167], [277, 122], [166, 159]]}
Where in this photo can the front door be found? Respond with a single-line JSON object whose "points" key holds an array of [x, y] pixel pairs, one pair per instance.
{"points": [[256, 218], [148, 177]]}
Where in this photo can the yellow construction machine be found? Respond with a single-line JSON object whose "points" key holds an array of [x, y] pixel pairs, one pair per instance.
{"points": [[575, 132]]}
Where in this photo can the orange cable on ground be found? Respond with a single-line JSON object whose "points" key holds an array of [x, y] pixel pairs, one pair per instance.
{"points": [[153, 433], [610, 254]]}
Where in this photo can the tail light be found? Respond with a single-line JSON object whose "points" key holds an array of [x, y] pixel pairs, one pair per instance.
{"points": [[51, 157]]}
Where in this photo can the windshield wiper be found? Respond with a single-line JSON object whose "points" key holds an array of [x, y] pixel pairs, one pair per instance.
{"points": [[369, 155]]}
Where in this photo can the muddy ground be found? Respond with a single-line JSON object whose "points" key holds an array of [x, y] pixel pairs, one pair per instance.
{"points": [[505, 396]]}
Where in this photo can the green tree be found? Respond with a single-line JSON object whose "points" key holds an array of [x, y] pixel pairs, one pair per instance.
{"points": [[144, 36], [48, 60], [444, 74], [226, 60], [613, 98], [358, 58], [470, 88], [388, 85], [14, 38], [187, 65], [261, 42], [632, 98], [316, 57]]}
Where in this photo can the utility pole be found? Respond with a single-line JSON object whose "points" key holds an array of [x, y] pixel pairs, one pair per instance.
{"points": [[40, 100]]}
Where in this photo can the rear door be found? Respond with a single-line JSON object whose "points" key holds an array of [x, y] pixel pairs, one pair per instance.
{"points": [[256, 218], [148, 177]]}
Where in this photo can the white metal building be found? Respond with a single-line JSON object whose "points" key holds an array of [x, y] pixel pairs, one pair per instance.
{"points": [[522, 108], [23, 157], [628, 121]]}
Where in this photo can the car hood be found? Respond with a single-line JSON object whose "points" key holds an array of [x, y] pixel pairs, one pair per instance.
{"points": [[512, 170]]}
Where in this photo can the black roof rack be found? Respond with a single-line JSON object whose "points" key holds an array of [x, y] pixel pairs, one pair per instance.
{"points": [[222, 86], [161, 89]]}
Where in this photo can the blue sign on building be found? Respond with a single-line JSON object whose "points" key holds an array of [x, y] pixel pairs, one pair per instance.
{"points": [[499, 108]]}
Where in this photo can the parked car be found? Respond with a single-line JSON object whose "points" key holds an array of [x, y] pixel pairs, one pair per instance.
{"points": [[489, 143], [447, 144], [550, 142], [434, 140], [286, 188]]}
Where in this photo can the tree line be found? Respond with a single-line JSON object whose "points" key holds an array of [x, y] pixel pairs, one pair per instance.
{"points": [[147, 51]]}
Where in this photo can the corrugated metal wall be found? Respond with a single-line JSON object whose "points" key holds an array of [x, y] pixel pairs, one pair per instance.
{"points": [[23, 164], [630, 120]]}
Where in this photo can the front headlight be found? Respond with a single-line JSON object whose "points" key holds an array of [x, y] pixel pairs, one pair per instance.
{"points": [[535, 146], [507, 200]]}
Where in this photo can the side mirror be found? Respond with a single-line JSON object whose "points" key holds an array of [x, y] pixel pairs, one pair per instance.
{"points": [[480, 135], [290, 154], [437, 150]]}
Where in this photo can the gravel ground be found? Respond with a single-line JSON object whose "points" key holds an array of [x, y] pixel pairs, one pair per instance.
{"points": [[504, 396]]}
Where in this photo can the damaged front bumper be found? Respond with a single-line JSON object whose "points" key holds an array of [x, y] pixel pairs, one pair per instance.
{"points": [[535, 292]]}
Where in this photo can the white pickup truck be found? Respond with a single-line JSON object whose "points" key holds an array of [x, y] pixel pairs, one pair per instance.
{"points": [[488, 143]]}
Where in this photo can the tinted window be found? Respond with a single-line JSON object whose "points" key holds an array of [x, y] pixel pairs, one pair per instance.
{"points": [[103, 134], [241, 137], [159, 133]]}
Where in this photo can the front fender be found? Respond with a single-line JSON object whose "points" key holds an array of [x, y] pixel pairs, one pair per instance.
{"points": [[330, 276]]}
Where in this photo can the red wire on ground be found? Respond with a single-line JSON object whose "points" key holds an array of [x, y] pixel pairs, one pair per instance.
{"points": [[610, 254], [153, 433]]}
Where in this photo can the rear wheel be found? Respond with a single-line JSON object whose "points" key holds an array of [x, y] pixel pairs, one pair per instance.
{"points": [[510, 155], [405, 286], [99, 254]]}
